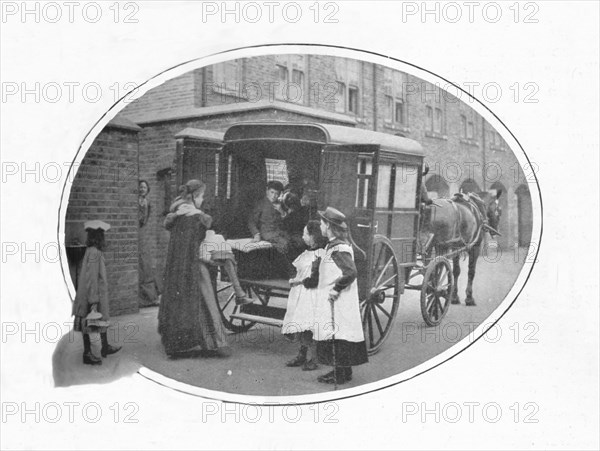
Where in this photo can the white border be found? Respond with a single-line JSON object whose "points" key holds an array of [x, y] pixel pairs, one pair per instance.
{"points": [[347, 53]]}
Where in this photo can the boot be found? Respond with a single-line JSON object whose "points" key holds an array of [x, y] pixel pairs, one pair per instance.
{"points": [[91, 359], [106, 348], [310, 365], [343, 374], [88, 357], [300, 359]]}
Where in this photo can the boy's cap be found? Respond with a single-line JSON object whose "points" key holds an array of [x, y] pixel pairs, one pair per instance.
{"points": [[96, 224], [274, 184]]}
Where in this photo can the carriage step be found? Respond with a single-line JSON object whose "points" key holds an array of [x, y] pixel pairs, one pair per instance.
{"points": [[263, 311], [258, 319]]}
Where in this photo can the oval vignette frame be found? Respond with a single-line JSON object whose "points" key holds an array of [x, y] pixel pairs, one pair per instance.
{"points": [[339, 51]]}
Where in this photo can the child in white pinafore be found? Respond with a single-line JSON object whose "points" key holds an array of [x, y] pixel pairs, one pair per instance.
{"points": [[299, 320], [340, 344]]}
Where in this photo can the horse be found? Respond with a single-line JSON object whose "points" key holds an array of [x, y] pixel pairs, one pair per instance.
{"points": [[457, 226]]}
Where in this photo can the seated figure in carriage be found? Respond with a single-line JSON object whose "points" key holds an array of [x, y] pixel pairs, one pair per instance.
{"points": [[266, 223]]}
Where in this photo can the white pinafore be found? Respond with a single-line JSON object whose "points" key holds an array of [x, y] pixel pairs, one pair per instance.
{"points": [[348, 325], [302, 302]]}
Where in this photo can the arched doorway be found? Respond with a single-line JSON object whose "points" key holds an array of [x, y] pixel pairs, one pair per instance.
{"points": [[503, 226], [524, 215], [470, 186], [437, 188]]}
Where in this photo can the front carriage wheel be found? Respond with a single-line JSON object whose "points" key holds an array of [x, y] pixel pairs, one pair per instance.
{"points": [[436, 290], [228, 307], [379, 308]]}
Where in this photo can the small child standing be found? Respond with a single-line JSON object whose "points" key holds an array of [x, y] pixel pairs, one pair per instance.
{"points": [[340, 344], [91, 301], [299, 320]]}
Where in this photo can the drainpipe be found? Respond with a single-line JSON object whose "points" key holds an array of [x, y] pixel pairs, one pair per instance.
{"points": [[483, 153], [375, 97]]}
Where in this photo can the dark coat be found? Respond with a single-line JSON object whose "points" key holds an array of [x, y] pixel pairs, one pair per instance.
{"points": [[188, 315], [92, 285], [265, 219]]}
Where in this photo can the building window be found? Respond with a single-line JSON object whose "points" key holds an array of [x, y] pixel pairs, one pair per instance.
{"points": [[399, 112], [396, 108], [438, 124], [298, 77], [291, 67], [282, 75], [340, 98], [227, 76], [389, 108], [463, 126], [353, 100], [470, 130], [429, 118], [348, 75]]}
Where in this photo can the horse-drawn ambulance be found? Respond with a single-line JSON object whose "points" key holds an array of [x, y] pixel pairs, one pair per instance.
{"points": [[373, 178]]}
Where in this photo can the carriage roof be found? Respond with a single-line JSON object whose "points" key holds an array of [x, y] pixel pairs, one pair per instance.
{"points": [[325, 134]]}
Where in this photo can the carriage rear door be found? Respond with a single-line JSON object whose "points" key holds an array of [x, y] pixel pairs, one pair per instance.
{"points": [[199, 159], [346, 183]]}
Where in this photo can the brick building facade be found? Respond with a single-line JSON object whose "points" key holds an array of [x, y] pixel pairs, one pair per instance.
{"points": [[195, 108]]}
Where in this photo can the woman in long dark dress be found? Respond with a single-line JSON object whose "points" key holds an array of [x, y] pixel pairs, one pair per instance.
{"points": [[148, 288], [188, 315]]}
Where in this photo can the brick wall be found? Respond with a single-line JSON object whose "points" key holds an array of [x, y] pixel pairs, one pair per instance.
{"points": [[175, 93], [105, 188]]}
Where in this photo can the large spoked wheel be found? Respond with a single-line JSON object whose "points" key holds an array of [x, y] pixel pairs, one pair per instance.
{"points": [[228, 307], [436, 290], [379, 308]]}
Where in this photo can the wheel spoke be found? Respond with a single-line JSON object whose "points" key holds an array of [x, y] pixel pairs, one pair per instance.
{"points": [[387, 265], [370, 324], [430, 303], [376, 261], [385, 312], [377, 322], [383, 284], [442, 274]]}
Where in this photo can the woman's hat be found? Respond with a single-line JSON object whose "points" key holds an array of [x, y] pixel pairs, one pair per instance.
{"points": [[334, 217], [96, 224], [194, 185]]}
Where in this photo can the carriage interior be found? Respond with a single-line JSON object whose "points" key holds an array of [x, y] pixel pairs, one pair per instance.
{"points": [[246, 169]]}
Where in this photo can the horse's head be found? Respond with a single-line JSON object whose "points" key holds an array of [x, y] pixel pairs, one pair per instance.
{"points": [[494, 211]]}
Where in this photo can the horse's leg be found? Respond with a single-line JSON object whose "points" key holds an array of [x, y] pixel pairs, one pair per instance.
{"points": [[454, 299], [473, 255]]}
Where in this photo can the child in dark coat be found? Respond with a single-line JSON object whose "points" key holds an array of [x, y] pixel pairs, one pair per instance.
{"points": [[91, 301]]}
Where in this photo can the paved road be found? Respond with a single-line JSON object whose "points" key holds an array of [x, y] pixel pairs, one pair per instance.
{"points": [[256, 358]]}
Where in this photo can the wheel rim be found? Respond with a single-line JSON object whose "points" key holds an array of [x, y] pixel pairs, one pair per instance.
{"points": [[436, 291], [228, 307], [379, 308]]}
